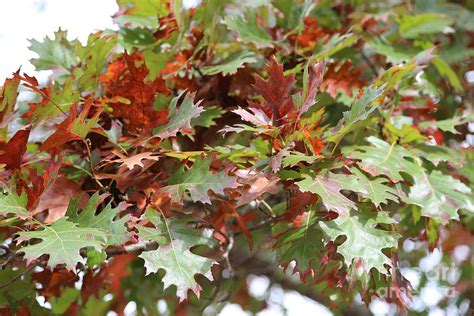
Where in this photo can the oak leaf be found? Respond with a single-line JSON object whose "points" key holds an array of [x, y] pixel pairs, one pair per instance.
{"points": [[175, 239], [15, 149], [125, 77], [276, 92], [62, 241], [198, 180], [365, 240]]}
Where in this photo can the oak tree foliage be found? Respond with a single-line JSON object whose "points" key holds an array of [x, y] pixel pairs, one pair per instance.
{"points": [[173, 157]]}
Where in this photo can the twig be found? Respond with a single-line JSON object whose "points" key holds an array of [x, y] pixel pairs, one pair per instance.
{"points": [[50, 100], [230, 245], [11, 256], [133, 248], [258, 266], [268, 207], [369, 63], [91, 166], [197, 70], [266, 222]]}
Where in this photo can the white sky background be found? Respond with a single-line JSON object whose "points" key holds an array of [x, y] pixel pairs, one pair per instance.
{"points": [[21, 20]]}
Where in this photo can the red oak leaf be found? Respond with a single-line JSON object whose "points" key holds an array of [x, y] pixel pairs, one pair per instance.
{"points": [[14, 149], [39, 182], [109, 276], [276, 92], [298, 204], [32, 84], [53, 282], [9, 95], [315, 79]]}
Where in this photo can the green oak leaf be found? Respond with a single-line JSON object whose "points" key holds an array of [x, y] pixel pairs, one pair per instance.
{"points": [[363, 106], [336, 43], [360, 110], [248, 29], [374, 189], [155, 63], [440, 196], [404, 134], [142, 13], [448, 73], [437, 154], [394, 53], [364, 241], [179, 120], [230, 65], [303, 244], [9, 94], [12, 203], [61, 99], [137, 37], [447, 125], [208, 116], [93, 58], [19, 290], [175, 239], [295, 157], [412, 26], [381, 158], [62, 241], [198, 180], [328, 186], [57, 52], [107, 220], [462, 16]]}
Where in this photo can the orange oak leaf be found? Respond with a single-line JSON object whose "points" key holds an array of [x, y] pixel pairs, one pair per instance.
{"points": [[135, 160], [311, 34], [125, 77], [337, 81]]}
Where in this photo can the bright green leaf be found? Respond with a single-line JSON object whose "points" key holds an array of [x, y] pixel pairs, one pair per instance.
{"points": [[175, 239], [62, 241], [364, 241]]}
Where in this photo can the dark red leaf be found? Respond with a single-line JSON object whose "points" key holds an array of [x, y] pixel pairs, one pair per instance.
{"points": [[276, 91], [14, 149]]}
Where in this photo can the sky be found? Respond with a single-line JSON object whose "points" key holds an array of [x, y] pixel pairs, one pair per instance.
{"points": [[21, 20]]}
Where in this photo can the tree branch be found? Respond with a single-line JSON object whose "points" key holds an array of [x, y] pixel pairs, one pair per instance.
{"points": [[256, 265]]}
